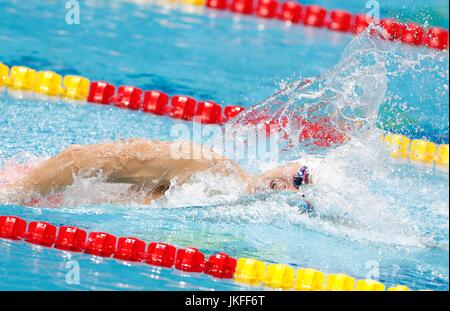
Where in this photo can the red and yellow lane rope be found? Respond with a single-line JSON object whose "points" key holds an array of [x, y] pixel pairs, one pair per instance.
{"points": [[50, 83], [249, 271]]}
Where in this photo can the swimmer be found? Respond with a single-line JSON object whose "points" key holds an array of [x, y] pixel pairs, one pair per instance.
{"points": [[149, 166]]}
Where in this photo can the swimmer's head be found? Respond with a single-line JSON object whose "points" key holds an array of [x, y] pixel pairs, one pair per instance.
{"points": [[289, 177]]}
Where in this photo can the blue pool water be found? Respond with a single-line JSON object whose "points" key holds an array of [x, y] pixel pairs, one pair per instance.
{"points": [[375, 217]]}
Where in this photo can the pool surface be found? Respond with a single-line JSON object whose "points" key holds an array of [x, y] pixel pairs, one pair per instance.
{"points": [[374, 217]]}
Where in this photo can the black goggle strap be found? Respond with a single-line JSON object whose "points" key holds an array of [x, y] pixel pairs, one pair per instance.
{"points": [[301, 177]]}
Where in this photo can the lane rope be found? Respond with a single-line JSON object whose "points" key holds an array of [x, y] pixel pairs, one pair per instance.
{"points": [[295, 13], [49, 83], [249, 271]]}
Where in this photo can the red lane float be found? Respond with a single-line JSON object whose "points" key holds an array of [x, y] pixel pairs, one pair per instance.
{"points": [[315, 16], [267, 8], [360, 23], [101, 244], [182, 107], [321, 132], [161, 254], [190, 260], [155, 102], [220, 265], [71, 239], [131, 249], [101, 92], [242, 6], [291, 12], [340, 20], [413, 34], [41, 233], [393, 29], [231, 111], [437, 38], [217, 4], [12, 227], [208, 112], [128, 97]]}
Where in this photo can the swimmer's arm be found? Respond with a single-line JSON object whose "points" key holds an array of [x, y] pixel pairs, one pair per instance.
{"points": [[58, 172], [49, 176], [178, 161], [135, 162]]}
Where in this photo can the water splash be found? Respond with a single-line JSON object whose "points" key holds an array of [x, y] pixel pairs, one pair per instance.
{"points": [[345, 100], [359, 192], [313, 115]]}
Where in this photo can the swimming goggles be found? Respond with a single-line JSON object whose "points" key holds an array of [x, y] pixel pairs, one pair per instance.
{"points": [[301, 177]]}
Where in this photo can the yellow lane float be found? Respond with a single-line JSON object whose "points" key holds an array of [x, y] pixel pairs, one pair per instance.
{"points": [[309, 280], [76, 87], [422, 151], [398, 145], [48, 83], [279, 276], [4, 75], [399, 288], [340, 282], [369, 285], [249, 270], [22, 78], [442, 155]]}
